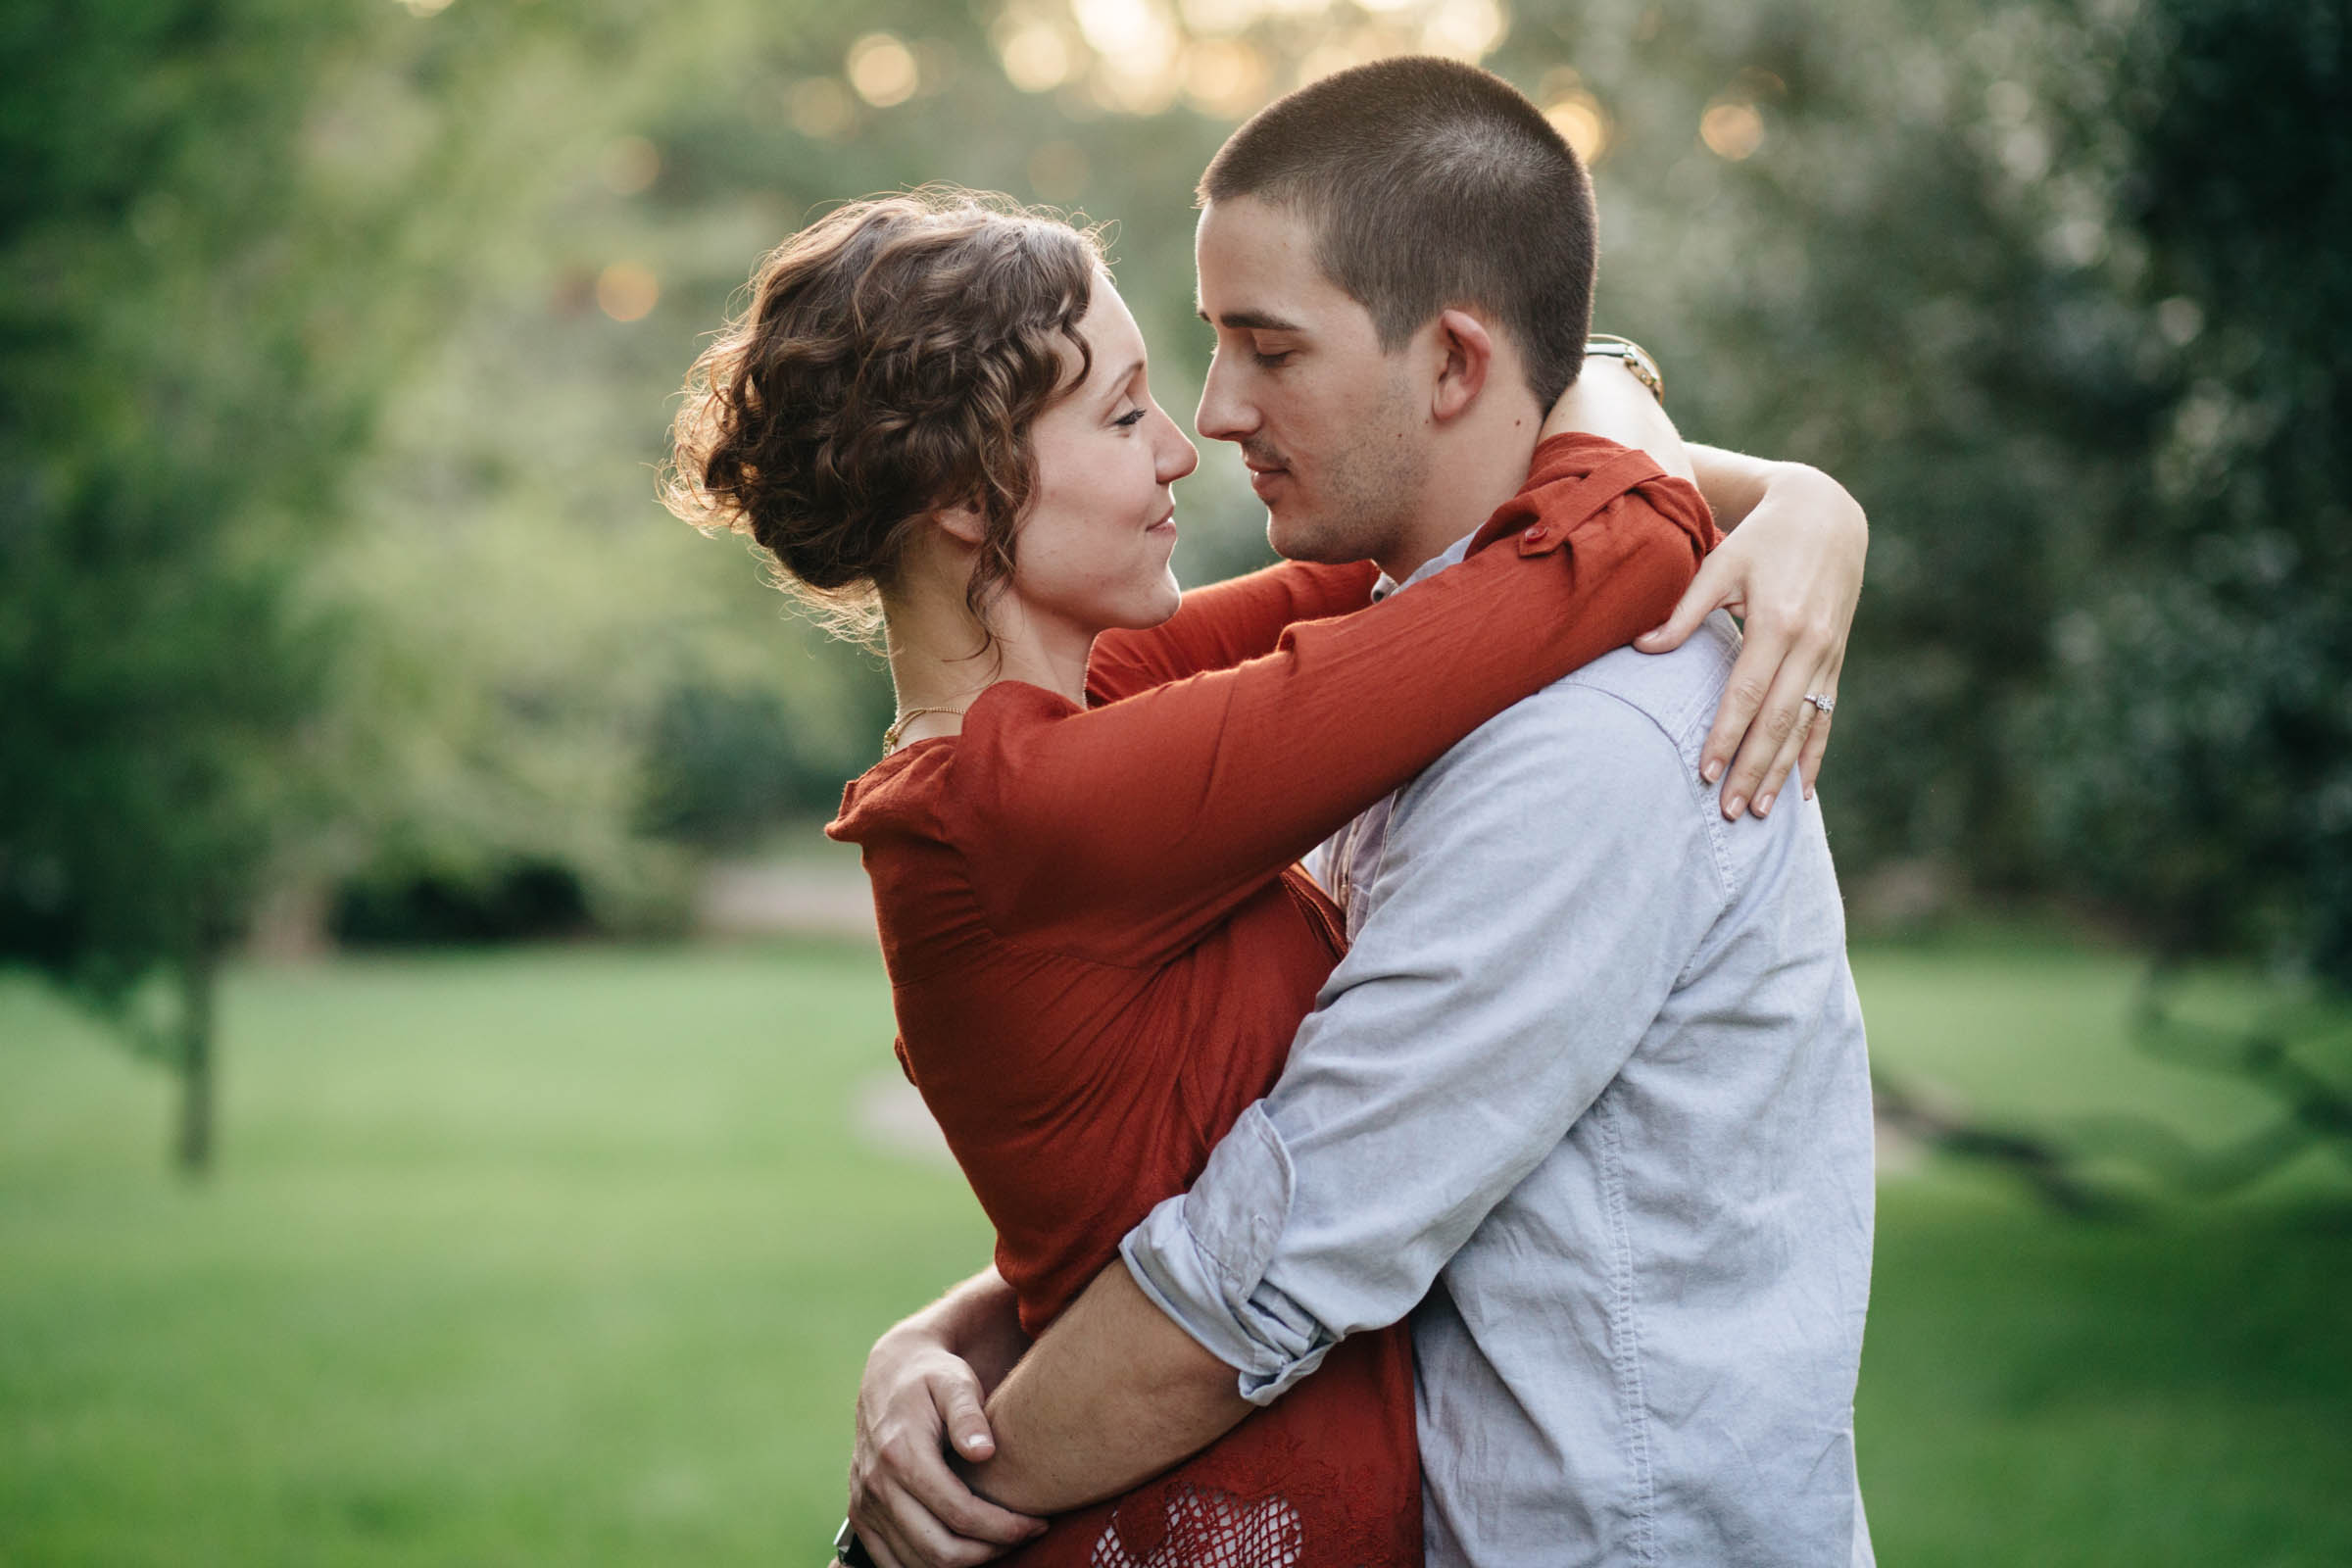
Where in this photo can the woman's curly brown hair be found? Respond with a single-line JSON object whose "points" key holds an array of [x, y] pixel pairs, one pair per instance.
{"points": [[891, 362]]}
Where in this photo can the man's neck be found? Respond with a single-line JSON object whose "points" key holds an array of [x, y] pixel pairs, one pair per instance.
{"points": [[1467, 482]]}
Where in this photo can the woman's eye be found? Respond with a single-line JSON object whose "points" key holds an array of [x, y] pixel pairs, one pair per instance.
{"points": [[1128, 420]]}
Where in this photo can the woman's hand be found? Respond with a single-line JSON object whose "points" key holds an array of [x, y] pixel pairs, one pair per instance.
{"points": [[1608, 400], [1792, 570], [910, 1508]]}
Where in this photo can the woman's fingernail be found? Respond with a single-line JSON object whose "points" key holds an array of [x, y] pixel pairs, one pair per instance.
{"points": [[1711, 769], [1763, 805], [1732, 807]]}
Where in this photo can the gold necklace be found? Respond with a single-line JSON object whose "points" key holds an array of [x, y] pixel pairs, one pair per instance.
{"points": [[898, 727]]}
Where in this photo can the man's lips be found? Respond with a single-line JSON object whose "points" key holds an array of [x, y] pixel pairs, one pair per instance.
{"points": [[1266, 479]]}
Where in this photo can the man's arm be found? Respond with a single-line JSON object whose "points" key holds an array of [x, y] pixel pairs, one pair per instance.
{"points": [[1541, 889], [921, 1395], [1115, 1393]]}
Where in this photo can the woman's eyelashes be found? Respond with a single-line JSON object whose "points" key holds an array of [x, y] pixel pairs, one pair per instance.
{"points": [[1132, 419]]}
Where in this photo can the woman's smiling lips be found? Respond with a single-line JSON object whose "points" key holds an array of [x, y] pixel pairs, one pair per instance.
{"points": [[1165, 525]]}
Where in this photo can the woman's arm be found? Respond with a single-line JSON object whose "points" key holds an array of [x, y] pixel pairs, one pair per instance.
{"points": [[1218, 626], [1124, 832], [1793, 572]]}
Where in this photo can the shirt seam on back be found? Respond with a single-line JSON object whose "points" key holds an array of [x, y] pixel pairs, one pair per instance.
{"points": [[1626, 1353]]}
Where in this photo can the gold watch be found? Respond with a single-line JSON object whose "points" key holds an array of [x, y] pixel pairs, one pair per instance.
{"points": [[1636, 358]]}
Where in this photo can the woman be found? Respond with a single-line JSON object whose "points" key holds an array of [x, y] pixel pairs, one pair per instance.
{"points": [[1083, 832]]}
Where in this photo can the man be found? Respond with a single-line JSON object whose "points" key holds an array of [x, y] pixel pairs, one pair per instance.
{"points": [[1587, 1096]]}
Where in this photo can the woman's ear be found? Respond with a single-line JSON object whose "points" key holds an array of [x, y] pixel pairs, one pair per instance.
{"points": [[1466, 355], [962, 522]]}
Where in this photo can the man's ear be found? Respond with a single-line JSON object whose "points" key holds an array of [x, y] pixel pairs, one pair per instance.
{"points": [[1466, 356]]}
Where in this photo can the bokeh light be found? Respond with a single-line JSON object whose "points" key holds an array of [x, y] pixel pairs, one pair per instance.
{"points": [[1226, 79], [821, 109], [629, 165], [1035, 54], [883, 70], [627, 292], [1578, 116], [1733, 131]]}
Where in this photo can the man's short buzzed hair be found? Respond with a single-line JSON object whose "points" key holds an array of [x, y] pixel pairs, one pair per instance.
{"points": [[1431, 184]]}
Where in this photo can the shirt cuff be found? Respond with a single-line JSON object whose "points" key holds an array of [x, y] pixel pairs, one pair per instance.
{"points": [[1201, 1258]]}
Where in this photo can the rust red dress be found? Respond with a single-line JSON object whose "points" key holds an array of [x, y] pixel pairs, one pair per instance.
{"points": [[1099, 942]]}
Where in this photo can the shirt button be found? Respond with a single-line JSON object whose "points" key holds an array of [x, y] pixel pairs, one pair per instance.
{"points": [[1535, 534]]}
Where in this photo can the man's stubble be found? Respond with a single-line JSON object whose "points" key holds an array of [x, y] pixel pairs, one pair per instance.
{"points": [[1367, 494]]}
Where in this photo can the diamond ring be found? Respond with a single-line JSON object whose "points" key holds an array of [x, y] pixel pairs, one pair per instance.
{"points": [[1825, 703]]}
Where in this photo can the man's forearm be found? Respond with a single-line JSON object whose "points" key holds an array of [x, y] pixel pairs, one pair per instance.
{"points": [[1113, 1393]]}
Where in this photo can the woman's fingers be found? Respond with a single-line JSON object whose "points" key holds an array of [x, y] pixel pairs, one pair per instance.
{"points": [[1716, 584], [1809, 764], [1773, 736], [1775, 781], [1817, 736]]}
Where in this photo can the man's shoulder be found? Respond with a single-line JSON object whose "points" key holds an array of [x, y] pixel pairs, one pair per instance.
{"points": [[1624, 691], [1678, 690]]}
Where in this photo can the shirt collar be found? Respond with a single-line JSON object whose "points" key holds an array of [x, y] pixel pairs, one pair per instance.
{"points": [[1451, 556]]}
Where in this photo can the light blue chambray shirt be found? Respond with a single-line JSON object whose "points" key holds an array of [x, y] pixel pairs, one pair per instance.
{"points": [[1588, 1099]]}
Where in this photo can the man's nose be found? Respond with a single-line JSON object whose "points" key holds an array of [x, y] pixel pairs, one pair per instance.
{"points": [[1224, 415]]}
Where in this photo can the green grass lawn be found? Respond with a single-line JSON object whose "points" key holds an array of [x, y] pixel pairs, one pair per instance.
{"points": [[572, 1256]]}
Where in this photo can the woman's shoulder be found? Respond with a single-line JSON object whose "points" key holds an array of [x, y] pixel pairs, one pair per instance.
{"points": [[897, 794], [908, 790]]}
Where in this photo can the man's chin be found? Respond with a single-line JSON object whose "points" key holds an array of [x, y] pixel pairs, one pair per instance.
{"points": [[1298, 537]]}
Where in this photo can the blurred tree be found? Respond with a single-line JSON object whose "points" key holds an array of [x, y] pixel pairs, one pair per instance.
{"points": [[2194, 755], [167, 426], [210, 272]]}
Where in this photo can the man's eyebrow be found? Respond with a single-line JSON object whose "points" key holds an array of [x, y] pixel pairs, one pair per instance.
{"points": [[1250, 322]]}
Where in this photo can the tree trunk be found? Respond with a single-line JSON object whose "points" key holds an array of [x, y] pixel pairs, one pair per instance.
{"points": [[195, 1149]]}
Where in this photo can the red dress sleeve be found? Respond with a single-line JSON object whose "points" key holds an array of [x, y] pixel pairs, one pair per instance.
{"points": [[1218, 626], [1121, 833]]}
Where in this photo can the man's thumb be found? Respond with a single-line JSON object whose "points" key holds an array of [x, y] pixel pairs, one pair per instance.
{"points": [[967, 1425]]}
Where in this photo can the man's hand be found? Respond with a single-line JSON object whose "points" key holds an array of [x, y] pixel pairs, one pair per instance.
{"points": [[916, 1398], [1792, 570]]}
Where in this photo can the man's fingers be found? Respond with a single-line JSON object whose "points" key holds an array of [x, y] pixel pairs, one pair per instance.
{"points": [[921, 1541], [943, 1497], [878, 1543], [966, 1422], [1773, 740], [1714, 587]]}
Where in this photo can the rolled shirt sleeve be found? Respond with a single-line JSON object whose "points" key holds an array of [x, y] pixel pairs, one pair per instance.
{"points": [[1539, 891]]}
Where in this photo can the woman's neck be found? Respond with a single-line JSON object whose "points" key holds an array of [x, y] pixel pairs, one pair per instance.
{"points": [[941, 660]]}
